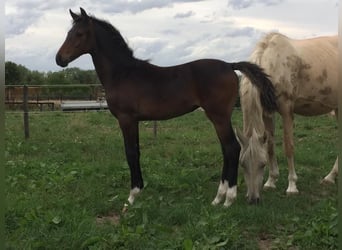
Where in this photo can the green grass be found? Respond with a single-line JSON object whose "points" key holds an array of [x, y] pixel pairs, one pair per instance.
{"points": [[73, 170]]}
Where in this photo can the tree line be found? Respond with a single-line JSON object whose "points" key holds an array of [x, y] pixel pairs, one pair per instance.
{"points": [[62, 82], [16, 74]]}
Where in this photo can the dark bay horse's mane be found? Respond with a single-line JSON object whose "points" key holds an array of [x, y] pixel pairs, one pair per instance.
{"points": [[114, 44]]}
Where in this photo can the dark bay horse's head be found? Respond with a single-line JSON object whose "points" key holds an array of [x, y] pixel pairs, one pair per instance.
{"points": [[80, 39], [253, 159]]}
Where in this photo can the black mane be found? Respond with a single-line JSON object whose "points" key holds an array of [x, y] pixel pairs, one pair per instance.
{"points": [[116, 37], [116, 45]]}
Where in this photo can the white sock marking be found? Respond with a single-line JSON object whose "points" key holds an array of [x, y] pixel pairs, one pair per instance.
{"points": [[132, 194], [230, 196], [221, 192]]}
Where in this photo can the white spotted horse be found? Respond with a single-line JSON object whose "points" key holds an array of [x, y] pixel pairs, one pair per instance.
{"points": [[305, 78]]}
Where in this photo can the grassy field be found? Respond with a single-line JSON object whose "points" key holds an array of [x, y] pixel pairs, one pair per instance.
{"points": [[66, 186]]}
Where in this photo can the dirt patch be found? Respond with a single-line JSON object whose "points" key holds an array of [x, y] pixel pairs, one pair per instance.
{"points": [[112, 218], [264, 243]]}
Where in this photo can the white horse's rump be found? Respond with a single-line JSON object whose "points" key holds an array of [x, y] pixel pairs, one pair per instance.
{"points": [[304, 74]]}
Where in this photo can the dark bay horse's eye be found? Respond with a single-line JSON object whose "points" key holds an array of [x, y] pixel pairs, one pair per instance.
{"points": [[79, 34]]}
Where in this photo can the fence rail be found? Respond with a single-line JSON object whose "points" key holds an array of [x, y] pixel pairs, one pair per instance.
{"points": [[14, 93], [25, 97]]}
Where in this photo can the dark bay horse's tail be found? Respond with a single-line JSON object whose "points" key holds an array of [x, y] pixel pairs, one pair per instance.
{"points": [[259, 79]]}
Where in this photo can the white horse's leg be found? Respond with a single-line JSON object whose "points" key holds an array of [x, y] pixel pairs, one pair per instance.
{"points": [[221, 192], [272, 160], [289, 151], [330, 178], [292, 188]]}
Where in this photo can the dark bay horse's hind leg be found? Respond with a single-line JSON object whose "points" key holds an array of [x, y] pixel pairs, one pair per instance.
{"points": [[231, 152], [130, 131]]}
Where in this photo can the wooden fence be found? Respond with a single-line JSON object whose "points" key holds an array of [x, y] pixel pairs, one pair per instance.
{"points": [[24, 97]]}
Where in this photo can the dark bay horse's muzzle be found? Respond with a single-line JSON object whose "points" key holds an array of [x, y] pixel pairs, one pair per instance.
{"points": [[60, 61]]}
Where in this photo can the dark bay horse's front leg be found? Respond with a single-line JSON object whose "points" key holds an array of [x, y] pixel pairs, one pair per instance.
{"points": [[130, 131]]}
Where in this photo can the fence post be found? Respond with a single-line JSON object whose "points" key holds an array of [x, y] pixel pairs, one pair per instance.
{"points": [[26, 110], [155, 129]]}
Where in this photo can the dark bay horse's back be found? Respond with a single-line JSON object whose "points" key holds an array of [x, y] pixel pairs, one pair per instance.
{"points": [[157, 93]]}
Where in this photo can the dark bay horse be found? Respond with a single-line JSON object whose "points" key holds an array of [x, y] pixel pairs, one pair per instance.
{"points": [[137, 90]]}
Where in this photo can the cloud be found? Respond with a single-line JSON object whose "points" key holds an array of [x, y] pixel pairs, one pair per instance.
{"points": [[161, 30], [184, 15], [242, 4], [146, 47], [241, 32], [136, 6], [17, 23], [20, 14]]}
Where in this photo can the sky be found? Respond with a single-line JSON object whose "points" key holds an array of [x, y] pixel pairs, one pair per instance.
{"points": [[163, 31]]}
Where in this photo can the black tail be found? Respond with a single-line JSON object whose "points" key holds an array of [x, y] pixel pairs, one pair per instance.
{"points": [[260, 79]]}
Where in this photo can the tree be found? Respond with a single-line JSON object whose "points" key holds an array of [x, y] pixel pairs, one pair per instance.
{"points": [[19, 75], [14, 74], [35, 78]]}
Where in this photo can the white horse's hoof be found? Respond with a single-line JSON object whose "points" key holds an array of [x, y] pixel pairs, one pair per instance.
{"points": [[292, 192], [125, 208], [269, 187], [215, 202], [327, 181]]}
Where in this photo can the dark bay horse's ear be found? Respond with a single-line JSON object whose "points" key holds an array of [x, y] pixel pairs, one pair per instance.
{"points": [[83, 13], [74, 16]]}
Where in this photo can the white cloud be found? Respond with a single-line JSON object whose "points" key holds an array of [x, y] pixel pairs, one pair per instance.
{"points": [[136, 6], [167, 32], [184, 14], [241, 4]]}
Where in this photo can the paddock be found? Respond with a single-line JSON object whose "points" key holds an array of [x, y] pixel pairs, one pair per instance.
{"points": [[66, 187]]}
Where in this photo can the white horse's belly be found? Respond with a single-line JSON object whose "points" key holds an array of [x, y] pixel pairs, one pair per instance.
{"points": [[309, 107]]}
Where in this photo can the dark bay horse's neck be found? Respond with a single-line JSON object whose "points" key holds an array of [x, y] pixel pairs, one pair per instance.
{"points": [[111, 69], [102, 68], [111, 56]]}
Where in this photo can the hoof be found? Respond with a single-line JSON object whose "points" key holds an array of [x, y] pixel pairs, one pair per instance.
{"points": [[293, 192], [215, 202], [327, 181], [270, 184], [134, 192], [125, 208], [227, 204], [269, 187]]}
